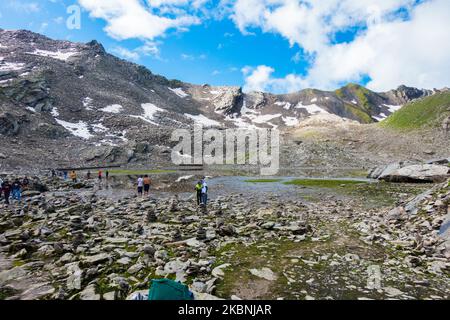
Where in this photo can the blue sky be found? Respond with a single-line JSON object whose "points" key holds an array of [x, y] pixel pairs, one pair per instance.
{"points": [[278, 46]]}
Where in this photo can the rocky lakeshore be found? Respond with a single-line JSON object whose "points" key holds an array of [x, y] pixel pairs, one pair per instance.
{"points": [[65, 241]]}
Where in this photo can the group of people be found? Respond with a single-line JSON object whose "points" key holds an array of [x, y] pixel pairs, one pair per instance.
{"points": [[202, 192], [143, 184], [72, 175], [13, 190], [201, 188]]}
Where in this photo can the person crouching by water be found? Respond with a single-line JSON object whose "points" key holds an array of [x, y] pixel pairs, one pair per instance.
{"points": [[204, 192], [140, 184], [147, 183], [198, 189]]}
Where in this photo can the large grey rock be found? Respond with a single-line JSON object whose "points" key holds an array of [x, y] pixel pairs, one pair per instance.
{"points": [[417, 173]]}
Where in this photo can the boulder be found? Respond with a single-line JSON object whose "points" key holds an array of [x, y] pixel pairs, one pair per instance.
{"points": [[426, 173]]}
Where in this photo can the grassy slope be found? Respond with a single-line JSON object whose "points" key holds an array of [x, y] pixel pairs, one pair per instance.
{"points": [[363, 110], [424, 113]]}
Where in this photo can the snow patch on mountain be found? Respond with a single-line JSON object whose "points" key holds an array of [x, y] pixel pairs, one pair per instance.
{"points": [[87, 103], [392, 109], [55, 112], [10, 66], [79, 129], [291, 121], [59, 55], [115, 108], [312, 109], [201, 119], [285, 105], [179, 92], [99, 127], [261, 119]]}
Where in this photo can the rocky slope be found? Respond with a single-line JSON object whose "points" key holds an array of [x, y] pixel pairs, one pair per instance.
{"points": [[74, 103]]}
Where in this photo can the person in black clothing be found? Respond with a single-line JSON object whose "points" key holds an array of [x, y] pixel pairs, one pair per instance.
{"points": [[6, 191], [25, 183]]}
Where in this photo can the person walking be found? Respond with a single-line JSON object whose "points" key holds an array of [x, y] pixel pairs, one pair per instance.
{"points": [[147, 183], [204, 192], [140, 184], [198, 189], [65, 174], [100, 175], [107, 175], [6, 191]]}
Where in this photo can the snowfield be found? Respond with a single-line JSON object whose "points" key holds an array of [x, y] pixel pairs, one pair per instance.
{"points": [[115, 108], [58, 55], [290, 121], [79, 129], [201, 119], [179, 92], [312, 109], [149, 113], [10, 66], [392, 109]]}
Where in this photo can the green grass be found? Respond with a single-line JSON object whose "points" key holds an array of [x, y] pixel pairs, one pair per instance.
{"points": [[120, 172], [427, 112], [319, 183], [264, 181]]}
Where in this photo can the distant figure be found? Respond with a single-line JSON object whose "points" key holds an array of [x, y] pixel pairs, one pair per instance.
{"points": [[65, 175], [88, 176], [16, 189], [107, 175], [53, 173], [25, 183], [198, 189], [1, 187], [204, 192], [73, 176], [140, 184], [6, 187], [147, 183], [100, 174]]}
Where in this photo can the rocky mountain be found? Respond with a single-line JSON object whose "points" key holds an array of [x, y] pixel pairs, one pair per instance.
{"points": [[75, 100]]}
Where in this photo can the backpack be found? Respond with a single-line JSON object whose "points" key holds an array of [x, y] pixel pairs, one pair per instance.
{"points": [[198, 187], [165, 289]]}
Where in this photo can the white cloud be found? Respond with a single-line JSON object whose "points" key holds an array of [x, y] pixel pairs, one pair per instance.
{"points": [[148, 49], [125, 53], [261, 79], [133, 19], [390, 49]]}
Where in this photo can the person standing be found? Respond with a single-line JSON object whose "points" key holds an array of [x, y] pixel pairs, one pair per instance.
{"points": [[25, 183], [73, 176], [100, 174], [147, 183], [88, 176], [198, 189], [6, 191], [1, 188], [65, 174], [140, 184], [16, 189], [204, 192], [107, 175]]}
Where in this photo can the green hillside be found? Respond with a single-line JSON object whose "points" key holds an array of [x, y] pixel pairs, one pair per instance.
{"points": [[425, 113]]}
